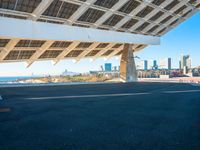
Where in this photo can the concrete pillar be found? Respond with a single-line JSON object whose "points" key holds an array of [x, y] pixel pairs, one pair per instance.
{"points": [[128, 71]]}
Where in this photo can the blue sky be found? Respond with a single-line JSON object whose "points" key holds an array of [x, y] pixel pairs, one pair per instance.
{"points": [[184, 39]]}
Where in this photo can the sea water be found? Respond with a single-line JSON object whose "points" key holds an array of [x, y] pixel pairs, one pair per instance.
{"points": [[11, 79]]}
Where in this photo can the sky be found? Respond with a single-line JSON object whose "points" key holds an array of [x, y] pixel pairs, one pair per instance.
{"points": [[184, 39]]}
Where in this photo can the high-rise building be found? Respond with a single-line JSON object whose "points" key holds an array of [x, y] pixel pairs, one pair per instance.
{"points": [[185, 62], [152, 64], [115, 68], [101, 68], [108, 66], [142, 65], [155, 65], [165, 63]]}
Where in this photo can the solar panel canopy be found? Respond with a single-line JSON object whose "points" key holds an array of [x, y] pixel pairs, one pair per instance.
{"points": [[139, 17]]}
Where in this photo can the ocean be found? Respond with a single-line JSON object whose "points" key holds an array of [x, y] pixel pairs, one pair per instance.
{"points": [[9, 79]]}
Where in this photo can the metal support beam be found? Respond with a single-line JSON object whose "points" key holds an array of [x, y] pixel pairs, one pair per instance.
{"points": [[104, 50], [39, 52], [40, 9], [66, 51], [11, 44], [28, 29], [87, 50], [115, 52], [128, 71], [81, 10]]}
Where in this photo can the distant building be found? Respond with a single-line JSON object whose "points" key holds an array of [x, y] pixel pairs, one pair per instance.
{"points": [[101, 68], [165, 64], [155, 66], [185, 62], [152, 64], [115, 68], [142, 65], [108, 67], [68, 73]]}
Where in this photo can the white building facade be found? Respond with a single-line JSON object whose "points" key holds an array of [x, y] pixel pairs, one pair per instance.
{"points": [[165, 63], [142, 65], [186, 61]]}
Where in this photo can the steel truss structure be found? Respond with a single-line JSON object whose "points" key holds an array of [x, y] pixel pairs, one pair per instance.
{"points": [[142, 18]]}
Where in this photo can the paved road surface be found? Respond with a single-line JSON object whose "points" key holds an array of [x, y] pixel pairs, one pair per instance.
{"points": [[134, 116]]}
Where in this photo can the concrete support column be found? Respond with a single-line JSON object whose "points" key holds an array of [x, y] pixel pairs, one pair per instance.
{"points": [[128, 71]]}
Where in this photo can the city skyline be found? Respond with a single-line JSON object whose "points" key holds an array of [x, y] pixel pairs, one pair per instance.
{"points": [[182, 40]]}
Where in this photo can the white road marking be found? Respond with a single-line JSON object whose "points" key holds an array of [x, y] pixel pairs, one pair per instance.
{"points": [[18, 85], [86, 96], [185, 91], [195, 84]]}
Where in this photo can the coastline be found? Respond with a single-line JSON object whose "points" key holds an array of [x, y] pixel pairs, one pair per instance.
{"points": [[66, 80]]}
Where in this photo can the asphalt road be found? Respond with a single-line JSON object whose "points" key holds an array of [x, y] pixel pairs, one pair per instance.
{"points": [[134, 116]]}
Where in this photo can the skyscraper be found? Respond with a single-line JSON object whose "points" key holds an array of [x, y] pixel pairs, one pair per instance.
{"points": [[165, 63], [108, 66], [185, 62], [152, 64], [142, 65]]}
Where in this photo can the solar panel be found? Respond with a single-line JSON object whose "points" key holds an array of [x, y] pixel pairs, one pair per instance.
{"points": [[158, 2], [50, 54], [119, 53], [113, 20], [187, 13], [180, 10], [166, 19], [193, 2], [106, 3], [174, 22], [129, 6], [130, 23], [74, 53], [93, 53], [4, 42], [20, 5], [171, 5], [91, 15], [102, 45], [61, 9], [153, 29], [29, 43], [60, 44], [144, 12], [84, 45], [144, 25], [19, 55], [117, 45], [155, 17], [108, 53], [161, 31]]}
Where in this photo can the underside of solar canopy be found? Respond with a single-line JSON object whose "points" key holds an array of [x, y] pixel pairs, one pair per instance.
{"points": [[32, 30]]}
